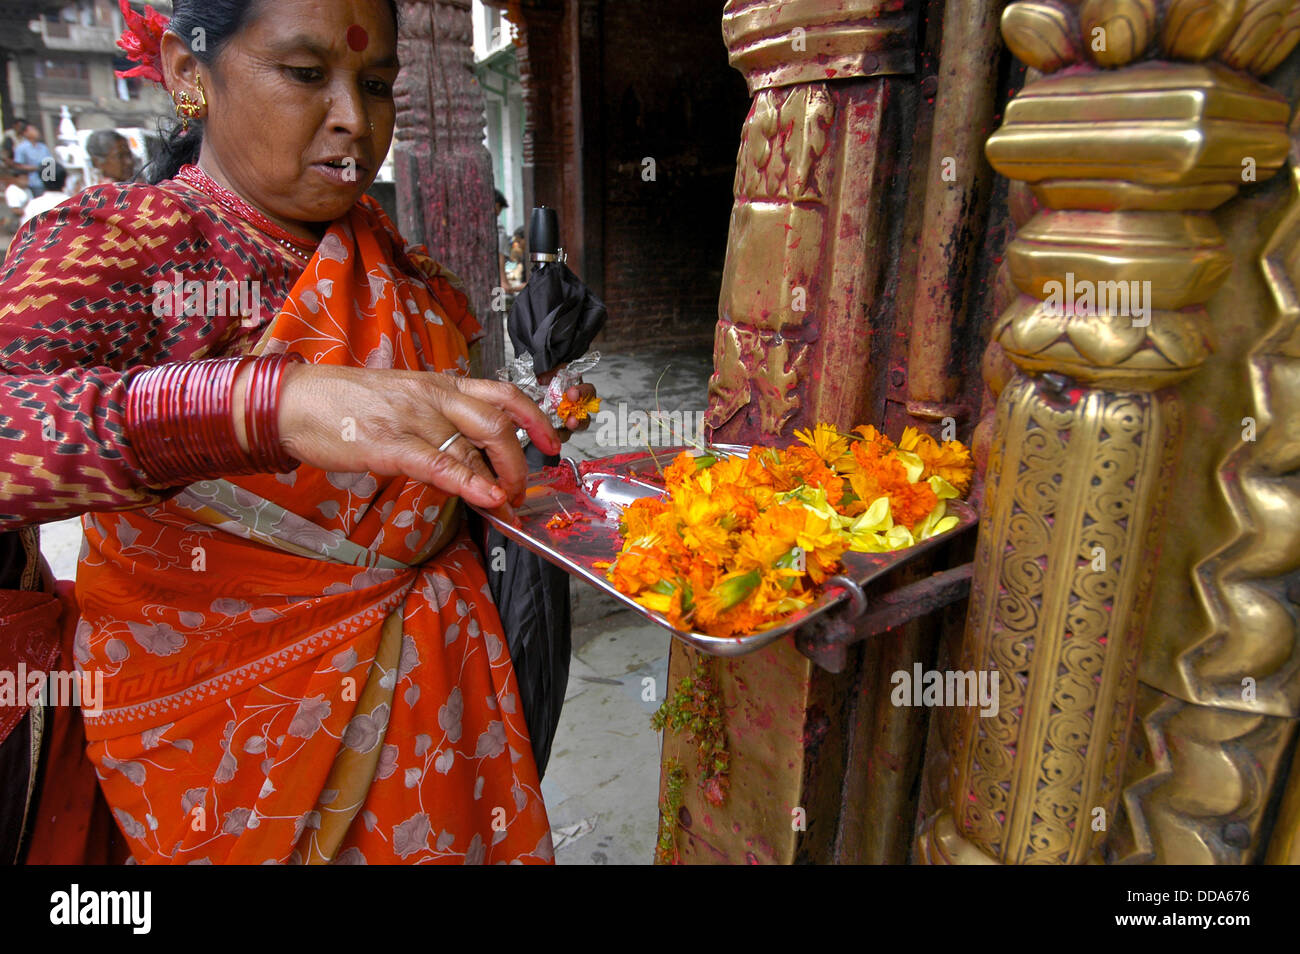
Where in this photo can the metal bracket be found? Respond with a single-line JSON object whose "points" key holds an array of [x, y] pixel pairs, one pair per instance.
{"points": [[857, 599], [827, 640], [560, 256]]}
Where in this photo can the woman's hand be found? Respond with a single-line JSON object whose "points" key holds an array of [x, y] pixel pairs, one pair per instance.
{"points": [[393, 422]]}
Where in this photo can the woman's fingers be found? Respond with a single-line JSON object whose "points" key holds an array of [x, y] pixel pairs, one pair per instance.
{"points": [[452, 474], [491, 428], [514, 402], [393, 422], [475, 462]]}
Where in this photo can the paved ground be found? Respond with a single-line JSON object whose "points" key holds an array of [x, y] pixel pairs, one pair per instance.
{"points": [[601, 787]]}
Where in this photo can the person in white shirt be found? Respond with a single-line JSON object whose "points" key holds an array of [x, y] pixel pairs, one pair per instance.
{"points": [[16, 197], [54, 195]]}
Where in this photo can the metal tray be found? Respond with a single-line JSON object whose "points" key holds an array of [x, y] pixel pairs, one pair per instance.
{"points": [[597, 491]]}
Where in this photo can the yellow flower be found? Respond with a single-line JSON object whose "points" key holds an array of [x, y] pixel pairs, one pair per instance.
{"points": [[912, 463], [949, 460], [942, 489], [737, 543], [822, 544], [864, 531], [831, 446], [952, 462], [580, 409], [871, 435]]}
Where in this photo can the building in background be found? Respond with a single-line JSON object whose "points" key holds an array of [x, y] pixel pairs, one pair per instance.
{"points": [[497, 70], [64, 54], [631, 115]]}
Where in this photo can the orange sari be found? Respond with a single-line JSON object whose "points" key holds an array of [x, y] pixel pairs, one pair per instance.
{"points": [[308, 667]]}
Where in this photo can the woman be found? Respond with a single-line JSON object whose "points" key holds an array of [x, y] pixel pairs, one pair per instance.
{"points": [[110, 156], [302, 665]]}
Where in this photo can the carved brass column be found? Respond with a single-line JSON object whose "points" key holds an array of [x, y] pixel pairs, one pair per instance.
{"points": [[1220, 679], [801, 287], [1127, 161]]}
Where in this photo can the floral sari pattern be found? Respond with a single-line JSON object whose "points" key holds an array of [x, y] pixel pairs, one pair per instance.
{"points": [[308, 667]]}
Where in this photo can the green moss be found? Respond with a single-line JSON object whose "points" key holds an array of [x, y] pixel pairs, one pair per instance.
{"points": [[695, 709], [669, 809]]}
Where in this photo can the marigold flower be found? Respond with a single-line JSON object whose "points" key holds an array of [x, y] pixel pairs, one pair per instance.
{"points": [[909, 505], [580, 409], [737, 543], [828, 443]]}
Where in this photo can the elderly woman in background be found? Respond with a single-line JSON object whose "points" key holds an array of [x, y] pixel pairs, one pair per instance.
{"points": [[301, 664], [110, 155]]}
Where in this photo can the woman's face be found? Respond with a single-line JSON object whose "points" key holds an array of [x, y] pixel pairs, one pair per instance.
{"points": [[118, 165], [300, 107]]}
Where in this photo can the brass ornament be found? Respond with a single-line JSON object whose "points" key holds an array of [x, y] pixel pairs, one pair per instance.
{"points": [[1250, 35], [786, 42], [1040, 34], [1242, 627], [1105, 350], [1117, 32], [775, 277], [760, 367], [1167, 143], [1198, 784], [1181, 256], [1196, 29], [942, 844], [1149, 125], [1267, 31], [1061, 629]]}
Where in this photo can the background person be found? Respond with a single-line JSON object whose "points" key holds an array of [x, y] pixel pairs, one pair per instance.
{"points": [[33, 157], [12, 136], [56, 194], [16, 199], [110, 156]]}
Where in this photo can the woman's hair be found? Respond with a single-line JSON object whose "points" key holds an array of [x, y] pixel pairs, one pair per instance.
{"points": [[219, 21]]}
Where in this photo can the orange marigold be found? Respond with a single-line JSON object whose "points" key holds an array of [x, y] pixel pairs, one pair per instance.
{"points": [[912, 503], [580, 409]]}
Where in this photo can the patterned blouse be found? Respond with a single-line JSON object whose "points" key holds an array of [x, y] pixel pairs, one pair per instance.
{"points": [[88, 300]]}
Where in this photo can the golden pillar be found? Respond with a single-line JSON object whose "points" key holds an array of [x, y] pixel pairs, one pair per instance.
{"points": [[1220, 675], [1127, 162], [801, 286]]}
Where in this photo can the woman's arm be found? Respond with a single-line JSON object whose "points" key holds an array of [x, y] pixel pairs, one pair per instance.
{"points": [[79, 329], [79, 319]]}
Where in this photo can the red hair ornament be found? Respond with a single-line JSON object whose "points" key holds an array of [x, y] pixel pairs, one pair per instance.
{"points": [[142, 43]]}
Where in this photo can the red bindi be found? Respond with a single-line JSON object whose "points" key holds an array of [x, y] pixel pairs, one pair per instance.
{"points": [[358, 38]]}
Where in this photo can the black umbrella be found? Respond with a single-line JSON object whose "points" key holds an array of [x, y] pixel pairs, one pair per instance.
{"points": [[554, 319]]}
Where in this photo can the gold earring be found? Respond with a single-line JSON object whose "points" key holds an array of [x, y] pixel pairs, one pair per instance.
{"points": [[188, 106]]}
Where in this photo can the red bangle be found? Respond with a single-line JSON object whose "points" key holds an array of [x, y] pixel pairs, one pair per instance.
{"points": [[180, 419], [262, 412]]}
